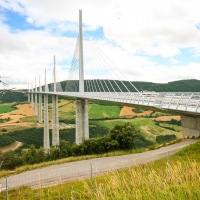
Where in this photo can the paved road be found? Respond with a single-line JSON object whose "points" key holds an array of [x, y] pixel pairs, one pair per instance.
{"points": [[80, 169]]}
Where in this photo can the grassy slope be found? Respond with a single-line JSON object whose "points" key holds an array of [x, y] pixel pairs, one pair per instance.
{"points": [[4, 108], [178, 179], [146, 125], [103, 111]]}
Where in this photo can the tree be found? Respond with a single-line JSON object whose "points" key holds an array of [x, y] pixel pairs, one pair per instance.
{"points": [[124, 134], [11, 160]]}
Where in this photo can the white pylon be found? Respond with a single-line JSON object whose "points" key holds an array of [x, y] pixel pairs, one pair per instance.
{"points": [[36, 104], [82, 122], [46, 142], [40, 102], [55, 117]]}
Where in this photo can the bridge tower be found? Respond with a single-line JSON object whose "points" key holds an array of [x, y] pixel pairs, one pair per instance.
{"points": [[82, 123], [36, 104], [55, 117], [40, 102], [29, 99], [32, 97], [46, 143]]}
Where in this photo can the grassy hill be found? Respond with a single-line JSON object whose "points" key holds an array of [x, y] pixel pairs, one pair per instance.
{"points": [[191, 85], [175, 86], [12, 96]]}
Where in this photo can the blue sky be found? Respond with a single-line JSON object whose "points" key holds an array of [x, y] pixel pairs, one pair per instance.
{"points": [[154, 41]]}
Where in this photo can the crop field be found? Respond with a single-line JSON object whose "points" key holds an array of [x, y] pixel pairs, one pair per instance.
{"points": [[5, 108], [97, 111]]}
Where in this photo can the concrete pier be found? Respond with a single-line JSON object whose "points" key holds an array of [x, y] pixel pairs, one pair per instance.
{"points": [[36, 104], [55, 121], [82, 124], [32, 99], [40, 108], [46, 143], [29, 98], [190, 126]]}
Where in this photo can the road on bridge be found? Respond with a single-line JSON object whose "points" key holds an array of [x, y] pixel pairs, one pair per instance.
{"points": [[56, 174]]}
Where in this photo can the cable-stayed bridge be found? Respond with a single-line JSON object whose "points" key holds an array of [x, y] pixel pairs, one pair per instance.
{"points": [[93, 76]]}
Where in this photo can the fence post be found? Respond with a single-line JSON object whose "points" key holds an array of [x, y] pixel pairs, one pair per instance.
{"points": [[91, 178], [6, 188]]}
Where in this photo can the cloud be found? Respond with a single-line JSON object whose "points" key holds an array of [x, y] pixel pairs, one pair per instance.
{"points": [[133, 32]]}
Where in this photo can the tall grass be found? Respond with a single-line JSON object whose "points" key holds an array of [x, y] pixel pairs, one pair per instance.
{"points": [[178, 179], [175, 181]]}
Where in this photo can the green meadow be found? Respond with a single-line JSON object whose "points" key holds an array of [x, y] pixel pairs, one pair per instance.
{"points": [[4, 108]]}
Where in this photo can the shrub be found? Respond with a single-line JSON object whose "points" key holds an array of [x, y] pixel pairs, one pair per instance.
{"points": [[165, 138], [4, 130], [124, 134], [11, 160]]}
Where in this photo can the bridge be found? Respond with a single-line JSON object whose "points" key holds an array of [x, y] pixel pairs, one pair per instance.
{"points": [[96, 78]]}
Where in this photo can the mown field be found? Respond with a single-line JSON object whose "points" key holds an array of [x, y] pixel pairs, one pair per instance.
{"points": [[5, 108], [174, 179]]}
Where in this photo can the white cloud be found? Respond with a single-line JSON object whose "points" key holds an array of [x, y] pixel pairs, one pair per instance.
{"points": [[155, 27]]}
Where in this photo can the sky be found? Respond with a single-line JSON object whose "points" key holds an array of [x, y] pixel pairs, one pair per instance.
{"points": [[147, 40]]}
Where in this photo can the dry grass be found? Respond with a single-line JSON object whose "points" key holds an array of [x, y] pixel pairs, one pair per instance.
{"points": [[15, 122], [168, 118], [127, 111]]}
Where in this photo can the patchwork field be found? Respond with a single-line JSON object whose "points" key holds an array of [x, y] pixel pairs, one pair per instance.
{"points": [[15, 116], [4, 108]]}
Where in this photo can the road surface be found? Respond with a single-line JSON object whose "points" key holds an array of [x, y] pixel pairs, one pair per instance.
{"points": [[81, 169]]}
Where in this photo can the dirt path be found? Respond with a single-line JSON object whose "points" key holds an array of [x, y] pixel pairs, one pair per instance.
{"points": [[13, 146], [23, 110], [56, 174]]}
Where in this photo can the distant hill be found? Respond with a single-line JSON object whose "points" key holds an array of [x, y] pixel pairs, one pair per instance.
{"points": [[12, 96], [191, 85]]}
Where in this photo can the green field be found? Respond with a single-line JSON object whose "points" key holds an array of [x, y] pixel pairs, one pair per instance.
{"points": [[4, 108], [97, 111], [145, 125]]}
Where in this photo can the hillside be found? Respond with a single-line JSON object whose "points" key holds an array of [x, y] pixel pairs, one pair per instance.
{"points": [[12, 96], [175, 86]]}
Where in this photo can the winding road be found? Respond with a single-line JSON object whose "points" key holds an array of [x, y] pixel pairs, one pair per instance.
{"points": [[81, 169]]}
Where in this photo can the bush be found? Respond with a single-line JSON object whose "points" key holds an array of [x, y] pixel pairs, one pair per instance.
{"points": [[4, 130], [124, 134], [11, 160], [5, 140], [165, 138]]}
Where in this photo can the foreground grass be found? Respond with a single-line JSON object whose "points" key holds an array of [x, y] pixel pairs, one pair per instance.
{"points": [[4, 108], [177, 179]]}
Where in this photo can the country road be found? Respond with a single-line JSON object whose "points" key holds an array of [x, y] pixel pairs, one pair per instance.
{"points": [[81, 169]]}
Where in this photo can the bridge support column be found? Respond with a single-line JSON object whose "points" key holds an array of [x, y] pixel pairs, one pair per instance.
{"points": [[190, 126], [82, 122], [36, 105], [29, 99], [55, 121], [40, 108], [32, 100], [46, 143]]}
